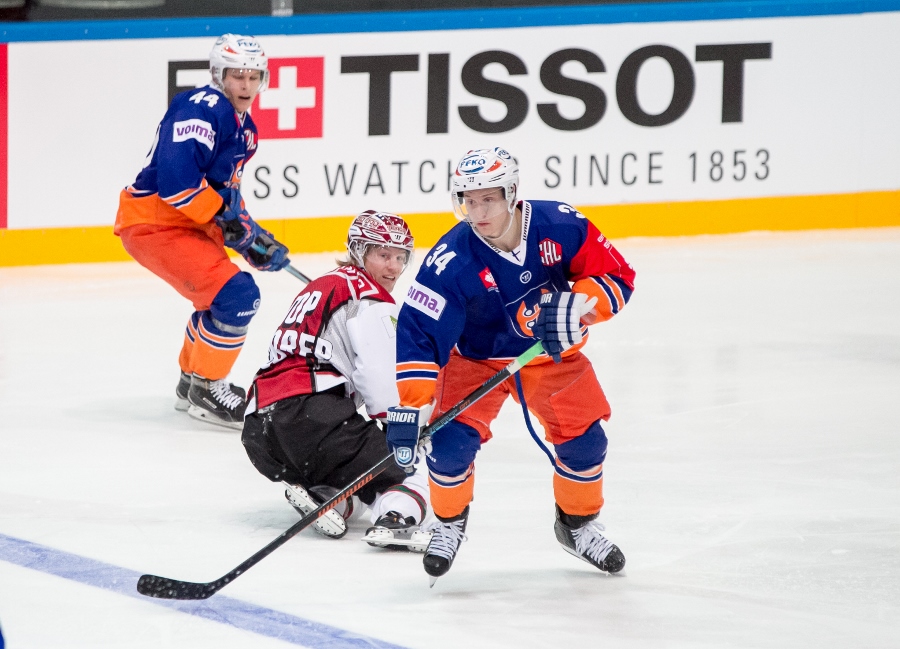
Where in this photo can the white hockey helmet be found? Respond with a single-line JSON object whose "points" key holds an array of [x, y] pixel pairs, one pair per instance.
{"points": [[483, 169], [378, 229], [239, 52]]}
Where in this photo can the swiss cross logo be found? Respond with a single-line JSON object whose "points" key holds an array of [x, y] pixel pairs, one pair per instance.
{"points": [[488, 280], [551, 252], [292, 105]]}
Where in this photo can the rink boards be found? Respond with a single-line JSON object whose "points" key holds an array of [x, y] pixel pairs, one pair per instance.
{"points": [[669, 119]]}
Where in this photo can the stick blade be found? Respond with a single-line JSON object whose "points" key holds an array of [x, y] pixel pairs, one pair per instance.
{"points": [[165, 588]]}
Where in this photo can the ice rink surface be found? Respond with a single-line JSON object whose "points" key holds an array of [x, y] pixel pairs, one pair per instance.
{"points": [[752, 481]]}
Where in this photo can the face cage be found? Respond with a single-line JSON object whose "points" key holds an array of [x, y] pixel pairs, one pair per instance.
{"points": [[459, 201], [359, 249]]}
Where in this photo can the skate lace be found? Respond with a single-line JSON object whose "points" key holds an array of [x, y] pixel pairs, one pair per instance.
{"points": [[446, 538], [221, 390], [591, 543]]}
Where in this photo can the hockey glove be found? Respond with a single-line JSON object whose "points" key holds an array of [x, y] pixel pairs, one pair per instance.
{"points": [[403, 428], [243, 235], [558, 324], [266, 253], [238, 228]]}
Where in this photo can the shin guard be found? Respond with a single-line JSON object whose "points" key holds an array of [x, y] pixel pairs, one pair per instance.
{"points": [[451, 495], [578, 481]]}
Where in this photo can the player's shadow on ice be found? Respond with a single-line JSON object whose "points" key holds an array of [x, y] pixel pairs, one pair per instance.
{"points": [[148, 412]]}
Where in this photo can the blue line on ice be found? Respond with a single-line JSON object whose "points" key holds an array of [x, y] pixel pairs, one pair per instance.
{"points": [[242, 615]]}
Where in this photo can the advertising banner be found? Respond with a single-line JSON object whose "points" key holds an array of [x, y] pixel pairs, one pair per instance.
{"points": [[597, 115]]}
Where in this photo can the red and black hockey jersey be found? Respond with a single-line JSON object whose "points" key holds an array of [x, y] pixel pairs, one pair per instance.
{"points": [[340, 329]]}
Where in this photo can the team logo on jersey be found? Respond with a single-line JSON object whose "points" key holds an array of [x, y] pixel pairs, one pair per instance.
{"points": [[487, 278], [194, 129], [551, 252], [425, 300], [250, 139], [292, 105], [526, 317]]}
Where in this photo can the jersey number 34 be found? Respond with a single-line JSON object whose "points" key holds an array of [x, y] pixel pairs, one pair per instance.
{"points": [[439, 259]]}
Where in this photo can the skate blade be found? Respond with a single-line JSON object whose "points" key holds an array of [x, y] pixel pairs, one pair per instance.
{"points": [[588, 561], [203, 415], [331, 531], [432, 581], [182, 405], [384, 541]]}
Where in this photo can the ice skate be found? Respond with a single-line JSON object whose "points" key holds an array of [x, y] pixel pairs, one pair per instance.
{"points": [[447, 534], [393, 532], [181, 392], [330, 524], [581, 536], [184, 385], [215, 402]]}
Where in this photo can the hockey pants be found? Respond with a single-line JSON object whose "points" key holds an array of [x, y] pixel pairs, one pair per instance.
{"points": [[567, 400], [194, 262], [318, 439]]}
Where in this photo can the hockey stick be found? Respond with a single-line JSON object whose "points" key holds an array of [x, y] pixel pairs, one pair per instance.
{"points": [[296, 273], [164, 588]]}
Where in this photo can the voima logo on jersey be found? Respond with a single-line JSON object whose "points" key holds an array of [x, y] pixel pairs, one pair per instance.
{"points": [[423, 299], [194, 129], [292, 107], [551, 252]]}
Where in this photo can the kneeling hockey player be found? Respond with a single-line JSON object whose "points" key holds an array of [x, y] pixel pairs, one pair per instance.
{"points": [[335, 351], [512, 273]]}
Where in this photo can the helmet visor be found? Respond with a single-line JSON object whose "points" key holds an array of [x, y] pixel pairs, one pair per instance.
{"points": [[480, 204]]}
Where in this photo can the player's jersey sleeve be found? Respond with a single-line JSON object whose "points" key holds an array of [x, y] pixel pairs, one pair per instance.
{"points": [[189, 138], [373, 336], [599, 270], [432, 319]]}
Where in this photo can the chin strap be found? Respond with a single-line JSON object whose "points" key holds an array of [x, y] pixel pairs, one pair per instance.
{"points": [[490, 240], [512, 219]]}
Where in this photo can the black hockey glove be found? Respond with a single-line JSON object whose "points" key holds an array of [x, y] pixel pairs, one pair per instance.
{"points": [[244, 235], [266, 253]]}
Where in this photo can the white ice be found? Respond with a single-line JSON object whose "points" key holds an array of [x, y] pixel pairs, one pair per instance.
{"points": [[753, 476]]}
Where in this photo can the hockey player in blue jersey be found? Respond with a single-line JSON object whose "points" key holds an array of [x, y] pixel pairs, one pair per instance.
{"points": [[513, 272], [185, 207]]}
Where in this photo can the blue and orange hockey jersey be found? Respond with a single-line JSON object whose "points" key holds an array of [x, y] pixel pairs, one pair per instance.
{"points": [[483, 301], [201, 147]]}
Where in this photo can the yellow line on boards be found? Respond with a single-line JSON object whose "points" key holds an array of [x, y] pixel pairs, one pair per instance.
{"points": [[832, 211], [324, 234]]}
